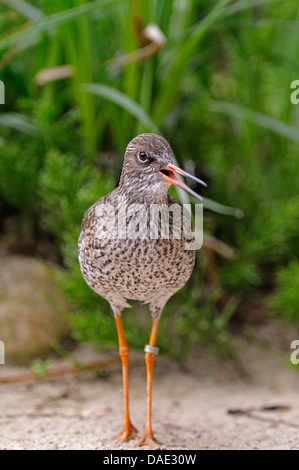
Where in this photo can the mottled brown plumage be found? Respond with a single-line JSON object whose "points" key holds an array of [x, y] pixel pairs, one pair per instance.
{"points": [[136, 266], [147, 270]]}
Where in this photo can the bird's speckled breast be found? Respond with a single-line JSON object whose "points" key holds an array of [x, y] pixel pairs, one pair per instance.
{"points": [[149, 270]]}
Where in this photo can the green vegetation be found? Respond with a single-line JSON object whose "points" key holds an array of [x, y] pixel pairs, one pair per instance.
{"points": [[40, 368], [215, 82]]}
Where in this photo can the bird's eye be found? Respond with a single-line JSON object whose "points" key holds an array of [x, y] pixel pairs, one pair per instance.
{"points": [[142, 157]]}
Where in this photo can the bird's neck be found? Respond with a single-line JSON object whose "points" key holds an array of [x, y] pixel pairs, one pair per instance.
{"points": [[135, 194]]}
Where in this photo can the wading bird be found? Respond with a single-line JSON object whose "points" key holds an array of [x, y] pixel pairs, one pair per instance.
{"points": [[123, 261]]}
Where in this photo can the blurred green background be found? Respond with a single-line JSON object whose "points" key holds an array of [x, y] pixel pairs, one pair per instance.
{"points": [[214, 77]]}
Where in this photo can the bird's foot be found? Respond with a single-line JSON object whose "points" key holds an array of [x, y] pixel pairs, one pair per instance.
{"points": [[128, 432], [147, 439]]}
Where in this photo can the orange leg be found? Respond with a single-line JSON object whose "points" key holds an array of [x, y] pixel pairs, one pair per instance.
{"points": [[148, 437], [128, 431]]}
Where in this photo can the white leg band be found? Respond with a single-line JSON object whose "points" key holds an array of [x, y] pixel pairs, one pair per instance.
{"points": [[151, 349]]}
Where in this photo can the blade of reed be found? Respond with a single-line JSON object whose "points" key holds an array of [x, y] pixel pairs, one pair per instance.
{"points": [[46, 24], [124, 101], [20, 123], [169, 88], [260, 119]]}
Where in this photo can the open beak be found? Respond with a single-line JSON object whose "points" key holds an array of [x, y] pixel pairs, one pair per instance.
{"points": [[169, 177]]}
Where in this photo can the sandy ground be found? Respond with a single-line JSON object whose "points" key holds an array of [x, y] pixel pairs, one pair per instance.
{"points": [[190, 403]]}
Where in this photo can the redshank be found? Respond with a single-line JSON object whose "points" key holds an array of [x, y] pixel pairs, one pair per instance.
{"points": [[128, 252]]}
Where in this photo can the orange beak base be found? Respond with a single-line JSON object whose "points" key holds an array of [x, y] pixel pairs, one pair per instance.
{"points": [[169, 177]]}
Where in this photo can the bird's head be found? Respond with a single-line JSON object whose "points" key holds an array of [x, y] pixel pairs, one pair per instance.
{"points": [[149, 169]]}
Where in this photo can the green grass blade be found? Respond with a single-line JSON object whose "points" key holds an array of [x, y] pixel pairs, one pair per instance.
{"points": [[31, 35], [244, 5], [221, 209], [169, 89], [124, 101], [260, 119], [27, 10], [20, 123]]}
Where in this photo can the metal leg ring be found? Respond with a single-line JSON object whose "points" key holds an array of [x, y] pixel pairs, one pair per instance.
{"points": [[151, 349]]}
